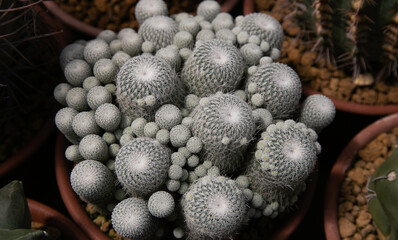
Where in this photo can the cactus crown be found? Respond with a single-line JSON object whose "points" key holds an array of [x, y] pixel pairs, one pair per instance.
{"points": [[214, 207], [356, 35], [215, 65], [383, 186], [142, 77]]}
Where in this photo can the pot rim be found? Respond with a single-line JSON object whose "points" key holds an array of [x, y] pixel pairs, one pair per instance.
{"points": [[92, 31], [355, 107], [343, 163], [79, 215], [51, 217]]}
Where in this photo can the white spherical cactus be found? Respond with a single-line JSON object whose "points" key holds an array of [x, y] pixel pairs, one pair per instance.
{"points": [[107, 35], [97, 96], [119, 58], [252, 53], [132, 219], [108, 117], [105, 70], [189, 25], [93, 182], [146, 76], [183, 39], [90, 82], [84, 124], [205, 34], [225, 125], [93, 147], [142, 164], [226, 35], [76, 71], [149, 8], [63, 121], [132, 43], [71, 52], [275, 87], [161, 204], [223, 21], [213, 208], [179, 135], [208, 9], [214, 66], [168, 116], [95, 50], [160, 30], [60, 92], [171, 56], [284, 157], [76, 99], [267, 28], [317, 112], [72, 153]]}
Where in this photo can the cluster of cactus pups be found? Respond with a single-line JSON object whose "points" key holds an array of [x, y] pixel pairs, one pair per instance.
{"points": [[188, 121]]}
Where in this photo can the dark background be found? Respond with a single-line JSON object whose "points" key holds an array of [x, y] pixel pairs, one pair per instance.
{"points": [[38, 173]]}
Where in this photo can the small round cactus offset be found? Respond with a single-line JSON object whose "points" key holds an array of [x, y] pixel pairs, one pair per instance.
{"points": [[144, 83], [215, 65], [225, 124], [317, 112], [132, 219], [149, 8], [213, 208], [142, 165], [160, 30], [93, 182], [275, 87], [267, 28]]}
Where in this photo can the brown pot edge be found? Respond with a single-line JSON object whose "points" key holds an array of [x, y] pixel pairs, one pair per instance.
{"points": [[341, 165], [89, 30], [70, 199], [51, 217]]}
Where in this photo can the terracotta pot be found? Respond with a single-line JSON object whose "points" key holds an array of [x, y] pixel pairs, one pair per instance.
{"points": [[63, 167], [350, 107], [48, 127], [51, 218], [92, 31], [343, 163]]}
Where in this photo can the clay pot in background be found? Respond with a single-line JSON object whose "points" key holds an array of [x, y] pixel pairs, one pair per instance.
{"points": [[350, 107], [51, 218], [343, 163], [48, 128], [92, 31], [63, 168]]}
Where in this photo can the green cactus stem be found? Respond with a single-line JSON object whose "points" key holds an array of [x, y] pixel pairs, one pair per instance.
{"points": [[383, 186]]}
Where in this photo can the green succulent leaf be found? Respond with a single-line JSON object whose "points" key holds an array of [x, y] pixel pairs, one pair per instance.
{"points": [[14, 210], [22, 234]]}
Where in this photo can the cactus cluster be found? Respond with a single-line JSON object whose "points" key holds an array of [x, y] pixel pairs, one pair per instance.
{"points": [[362, 36], [174, 112]]}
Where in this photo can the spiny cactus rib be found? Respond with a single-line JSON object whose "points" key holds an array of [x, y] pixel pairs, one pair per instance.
{"points": [[225, 124], [214, 66], [142, 164], [146, 76], [214, 208]]}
